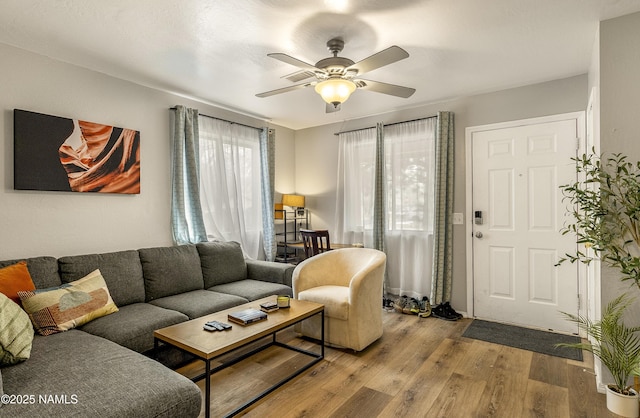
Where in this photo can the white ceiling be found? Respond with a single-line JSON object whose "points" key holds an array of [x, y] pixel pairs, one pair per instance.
{"points": [[215, 51]]}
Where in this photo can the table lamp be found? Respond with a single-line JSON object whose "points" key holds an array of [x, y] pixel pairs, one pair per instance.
{"points": [[295, 201]]}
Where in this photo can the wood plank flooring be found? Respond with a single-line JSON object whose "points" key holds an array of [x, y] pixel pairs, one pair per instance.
{"points": [[419, 368]]}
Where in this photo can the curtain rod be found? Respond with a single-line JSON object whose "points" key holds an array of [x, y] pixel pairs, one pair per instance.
{"points": [[387, 124], [224, 120]]}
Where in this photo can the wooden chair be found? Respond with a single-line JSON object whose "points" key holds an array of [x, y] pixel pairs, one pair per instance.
{"points": [[315, 241]]}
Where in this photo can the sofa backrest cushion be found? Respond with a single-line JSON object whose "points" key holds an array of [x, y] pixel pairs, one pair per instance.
{"points": [[122, 271], [170, 270], [43, 270], [222, 262]]}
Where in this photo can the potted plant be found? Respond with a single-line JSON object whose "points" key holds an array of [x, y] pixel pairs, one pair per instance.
{"points": [[605, 211], [605, 207], [618, 348]]}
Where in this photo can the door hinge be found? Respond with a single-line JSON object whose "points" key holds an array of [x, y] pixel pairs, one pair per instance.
{"points": [[579, 304], [578, 143]]}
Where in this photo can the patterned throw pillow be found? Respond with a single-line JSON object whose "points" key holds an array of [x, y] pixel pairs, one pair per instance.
{"points": [[68, 306], [16, 333], [14, 278]]}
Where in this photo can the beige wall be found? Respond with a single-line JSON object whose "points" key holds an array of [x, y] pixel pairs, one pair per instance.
{"points": [[57, 223], [317, 152]]}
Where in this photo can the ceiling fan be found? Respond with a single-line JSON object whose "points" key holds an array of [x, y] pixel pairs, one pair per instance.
{"points": [[338, 77]]}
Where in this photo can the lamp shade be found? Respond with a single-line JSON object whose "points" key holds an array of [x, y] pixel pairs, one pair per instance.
{"points": [[293, 200], [335, 90]]}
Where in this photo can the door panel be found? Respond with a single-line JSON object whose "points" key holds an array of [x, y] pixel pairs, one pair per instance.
{"points": [[516, 177]]}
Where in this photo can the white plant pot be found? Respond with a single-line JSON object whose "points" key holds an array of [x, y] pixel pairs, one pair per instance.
{"points": [[625, 405]]}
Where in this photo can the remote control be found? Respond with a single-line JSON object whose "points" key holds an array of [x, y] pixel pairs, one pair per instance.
{"points": [[215, 324], [225, 326], [209, 328]]}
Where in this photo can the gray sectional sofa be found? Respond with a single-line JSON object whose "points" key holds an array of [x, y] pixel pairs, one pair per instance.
{"points": [[107, 367]]}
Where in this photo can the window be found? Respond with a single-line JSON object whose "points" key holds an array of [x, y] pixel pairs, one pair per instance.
{"points": [[409, 173], [409, 165], [230, 189]]}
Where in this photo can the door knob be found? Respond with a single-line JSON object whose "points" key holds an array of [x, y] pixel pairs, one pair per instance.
{"points": [[478, 234]]}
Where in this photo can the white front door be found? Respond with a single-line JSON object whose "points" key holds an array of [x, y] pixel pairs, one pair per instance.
{"points": [[516, 176]]}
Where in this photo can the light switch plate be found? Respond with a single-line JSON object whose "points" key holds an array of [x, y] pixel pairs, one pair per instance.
{"points": [[458, 219]]}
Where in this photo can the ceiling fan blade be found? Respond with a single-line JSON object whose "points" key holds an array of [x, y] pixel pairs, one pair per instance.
{"points": [[385, 88], [379, 59], [285, 89], [330, 108], [293, 61]]}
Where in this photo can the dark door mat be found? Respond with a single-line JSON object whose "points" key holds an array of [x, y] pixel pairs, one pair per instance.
{"points": [[524, 338]]}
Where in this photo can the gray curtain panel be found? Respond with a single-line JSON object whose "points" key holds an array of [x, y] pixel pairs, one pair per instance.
{"points": [[186, 214], [379, 199], [443, 226], [267, 176]]}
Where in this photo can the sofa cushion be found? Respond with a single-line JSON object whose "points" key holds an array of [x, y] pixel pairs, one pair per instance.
{"points": [[170, 270], [69, 305], [43, 270], [14, 278], [97, 378], [133, 325], [122, 271], [252, 289], [198, 303], [222, 262], [16, 333]]}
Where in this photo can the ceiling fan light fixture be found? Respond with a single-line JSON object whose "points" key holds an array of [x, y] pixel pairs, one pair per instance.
{"points": [[335, 90]]}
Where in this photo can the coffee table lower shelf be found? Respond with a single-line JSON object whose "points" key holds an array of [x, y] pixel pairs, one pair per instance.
{"points": [[159, 338]]}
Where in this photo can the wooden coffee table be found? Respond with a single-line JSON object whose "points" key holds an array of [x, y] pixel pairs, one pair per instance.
{"points": [[191, 337]]}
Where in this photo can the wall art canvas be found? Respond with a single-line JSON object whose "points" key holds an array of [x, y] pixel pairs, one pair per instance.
{"points": [[62, 154]]}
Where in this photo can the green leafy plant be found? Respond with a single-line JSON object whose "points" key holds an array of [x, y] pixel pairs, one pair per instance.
{"points": [[615, 344], [605, 207]]}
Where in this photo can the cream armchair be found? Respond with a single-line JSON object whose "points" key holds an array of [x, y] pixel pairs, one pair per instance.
{"points": [[348, 282]]}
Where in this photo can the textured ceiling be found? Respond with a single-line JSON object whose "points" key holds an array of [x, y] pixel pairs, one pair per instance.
{"points": [[216, 51]]}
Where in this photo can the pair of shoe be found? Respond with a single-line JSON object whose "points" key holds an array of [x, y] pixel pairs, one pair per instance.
{"points": [[413, 306], [446, 312], [406, 306]]}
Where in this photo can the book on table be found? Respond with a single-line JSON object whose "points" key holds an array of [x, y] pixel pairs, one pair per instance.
{"points": [[269, 307], [247, 316]]}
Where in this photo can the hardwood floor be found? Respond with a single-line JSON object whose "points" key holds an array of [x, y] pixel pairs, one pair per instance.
{"points": [[419, 368]]}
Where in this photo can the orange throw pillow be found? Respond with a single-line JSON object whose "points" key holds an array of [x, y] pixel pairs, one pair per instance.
{"points": [[15, 278]]}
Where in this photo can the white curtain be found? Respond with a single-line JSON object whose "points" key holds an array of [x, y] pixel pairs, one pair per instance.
{"points": [[410, 150], [355, 187], [230, 189], [409, 171]]}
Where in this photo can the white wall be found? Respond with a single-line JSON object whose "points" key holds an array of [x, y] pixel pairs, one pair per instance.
{"points": [[317, 152], [62, 223], [614, 77], [619, 81]]}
